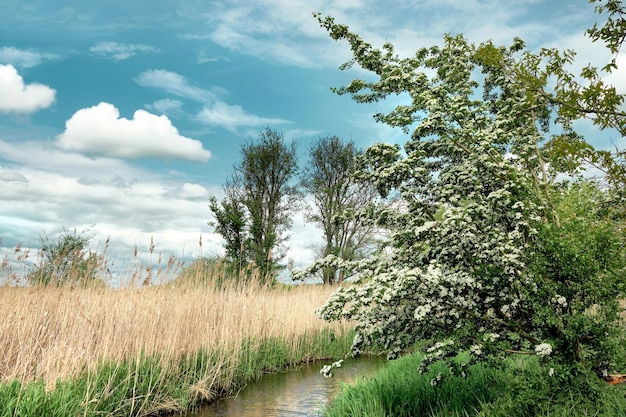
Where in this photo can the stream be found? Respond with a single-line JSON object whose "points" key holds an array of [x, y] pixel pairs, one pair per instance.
{"points": [[297, 392]]}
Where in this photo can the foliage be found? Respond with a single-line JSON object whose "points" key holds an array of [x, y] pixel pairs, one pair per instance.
{"points": [[329, 179], [255, 214], [613, 33], [397, 390], [525, 389], [482, 255], [230, 223], [66, 261], [564, 390]]}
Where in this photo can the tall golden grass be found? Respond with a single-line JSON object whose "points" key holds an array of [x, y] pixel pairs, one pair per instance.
{"points": [[54, 332]]}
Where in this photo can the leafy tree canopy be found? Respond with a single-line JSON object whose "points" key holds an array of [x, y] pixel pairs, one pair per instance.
{"points": [[260, 198], [337, 194]]}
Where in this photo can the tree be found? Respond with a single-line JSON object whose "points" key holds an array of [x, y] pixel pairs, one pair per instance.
{"points": [[484, 254], [337, 196], [230, 223], [66, 261], [260, 198]]}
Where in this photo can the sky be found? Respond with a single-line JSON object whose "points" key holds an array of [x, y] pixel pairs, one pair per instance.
{"points": [[123, 117]]}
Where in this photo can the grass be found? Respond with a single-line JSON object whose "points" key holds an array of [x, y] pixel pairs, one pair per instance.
{"points": [[399, 390], [138, 351]]}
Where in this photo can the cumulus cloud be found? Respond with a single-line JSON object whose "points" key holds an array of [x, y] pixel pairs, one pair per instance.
{"points": [[46, 189], [120, 51], [22, 58], [174, 83], [17, 97], [99, 130], [232, 116]]}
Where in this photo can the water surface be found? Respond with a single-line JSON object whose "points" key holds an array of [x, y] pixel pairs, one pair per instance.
{"points": [[298, 392]]}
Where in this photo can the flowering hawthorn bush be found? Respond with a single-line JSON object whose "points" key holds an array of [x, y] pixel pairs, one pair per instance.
{"points": [[487, 252]]}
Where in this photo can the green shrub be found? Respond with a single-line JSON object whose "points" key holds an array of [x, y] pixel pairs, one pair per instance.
{"points": [[66, 261]]}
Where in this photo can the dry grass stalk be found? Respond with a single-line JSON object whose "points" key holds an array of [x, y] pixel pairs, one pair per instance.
{"points": [[52, 333]]}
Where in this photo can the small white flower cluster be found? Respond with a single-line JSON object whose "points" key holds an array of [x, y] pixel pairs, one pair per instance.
{"points": [[491, 337], [327, 370], [543, 350], [422, 311], [475, 350], [437, 346], [436, 380], [559, 300], [506, 310]]}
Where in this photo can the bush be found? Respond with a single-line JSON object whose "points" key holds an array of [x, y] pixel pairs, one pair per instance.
{"points": [[66, 261]]}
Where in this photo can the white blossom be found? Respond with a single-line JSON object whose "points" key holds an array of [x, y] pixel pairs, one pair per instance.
{"points": [[467, 208], [327, 370], [436, 380], [475, 350], [559, 300], [422, 311], [544, 349], [491, 337]]}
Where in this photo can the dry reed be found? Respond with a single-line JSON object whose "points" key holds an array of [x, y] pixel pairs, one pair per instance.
{"points": [[52, 333], [143, 349]]}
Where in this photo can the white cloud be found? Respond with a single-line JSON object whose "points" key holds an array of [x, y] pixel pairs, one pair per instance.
{"points": [[150, 209], [274, 30], [100, 130], [129, 204], [202, 57], [230, 117], [304, 240], [166, 106], [193, 192], [120, 51], [17, 97], [284, 31], [214, 113], [618, 77], [13, 177], [175, 84], [22, 58], [47, 158]]}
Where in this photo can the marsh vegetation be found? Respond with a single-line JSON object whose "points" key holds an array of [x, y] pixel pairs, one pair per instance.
{"points": [[94, 350]]}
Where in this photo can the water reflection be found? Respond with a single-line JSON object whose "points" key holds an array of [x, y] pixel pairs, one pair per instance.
{"points": [[299, 392]]}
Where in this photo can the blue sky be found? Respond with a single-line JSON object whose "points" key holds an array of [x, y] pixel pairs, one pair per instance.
{"points": [[125, 116]]}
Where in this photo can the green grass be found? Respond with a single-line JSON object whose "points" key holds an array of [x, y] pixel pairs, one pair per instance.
{"points": [[399, 390], [149, 385]]}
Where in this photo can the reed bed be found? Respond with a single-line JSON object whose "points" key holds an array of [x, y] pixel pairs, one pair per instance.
{"points": [[153, 349], [54, 333]]}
